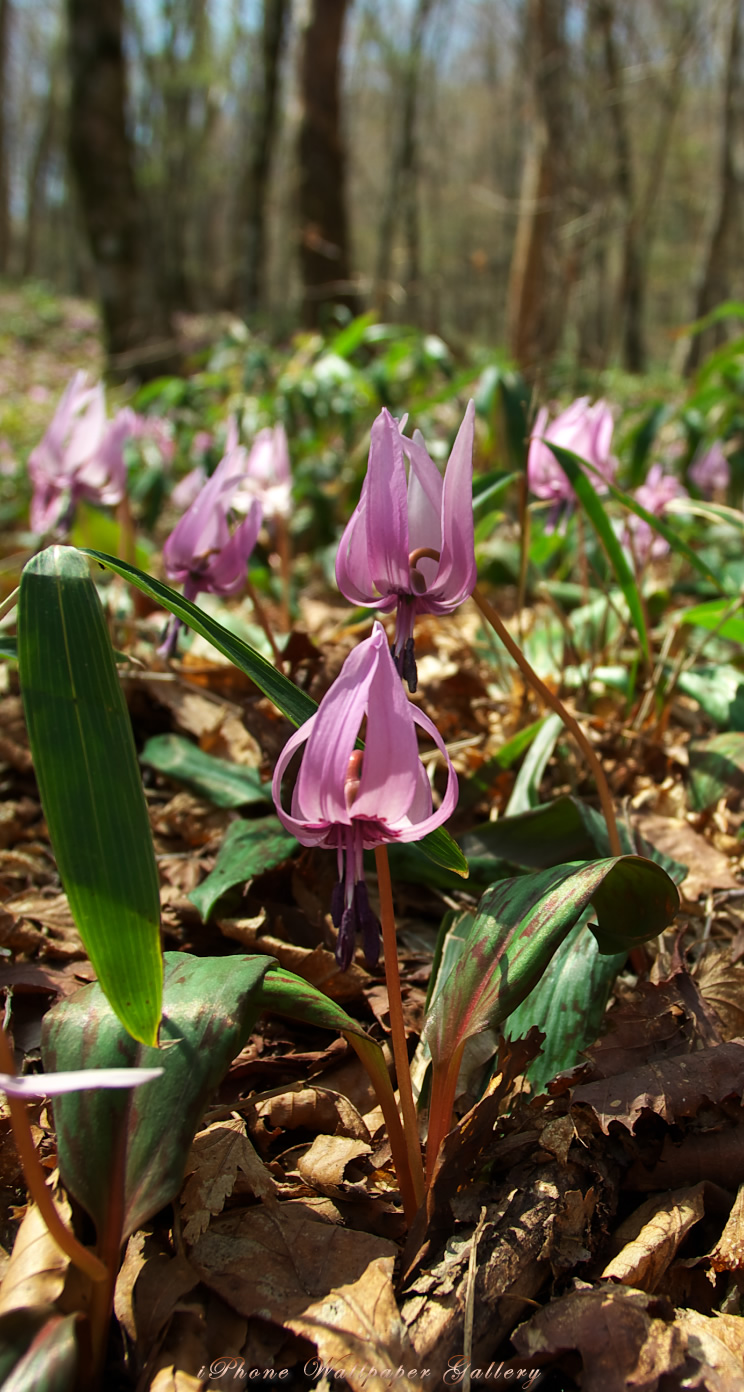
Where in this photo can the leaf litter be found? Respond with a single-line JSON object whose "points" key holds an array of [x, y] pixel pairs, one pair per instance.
{"points": [[592, 1237]]}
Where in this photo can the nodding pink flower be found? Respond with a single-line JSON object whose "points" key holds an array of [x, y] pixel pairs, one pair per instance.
{"points": [[80, 456], [351, 800], [654, 495], [586, 431], [710, 471], [268, 475], [201, 553], [409, 544]]}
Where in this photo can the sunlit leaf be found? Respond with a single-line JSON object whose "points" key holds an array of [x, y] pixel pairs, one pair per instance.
{"points": [[217, 780], [248, 849], [89, 780]]}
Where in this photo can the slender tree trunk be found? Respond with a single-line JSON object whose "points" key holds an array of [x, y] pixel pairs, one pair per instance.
{"points": [[136, 329], [37, 172], [632, 279], [325, 262], [402, 185], [713, 286], [252, 204], [4, 175], [538, 278]]}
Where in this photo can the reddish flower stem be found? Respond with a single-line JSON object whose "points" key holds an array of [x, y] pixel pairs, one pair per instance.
{"points": [[33, 1173], [397, 1027]]}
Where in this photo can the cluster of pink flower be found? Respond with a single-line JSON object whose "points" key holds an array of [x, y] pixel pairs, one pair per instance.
{"points": [[81, 455], [409, 546], [587, 431]]}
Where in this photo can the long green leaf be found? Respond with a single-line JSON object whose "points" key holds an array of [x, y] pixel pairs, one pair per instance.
{"points": [[89, 780], [594, 509], [248, 849], [673, 539], [287, 697], [217, 780], [521, 923]]}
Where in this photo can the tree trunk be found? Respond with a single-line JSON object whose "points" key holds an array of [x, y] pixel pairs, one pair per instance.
{"points": [[713, 287], [538, 278], [632, 279], [4, 189], [137, 333], [402, 186], [252, 204], [324, 235]]}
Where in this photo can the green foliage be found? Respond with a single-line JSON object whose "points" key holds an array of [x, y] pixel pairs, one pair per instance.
{"points": [[86, 766], [248, 849], [217, 780]]}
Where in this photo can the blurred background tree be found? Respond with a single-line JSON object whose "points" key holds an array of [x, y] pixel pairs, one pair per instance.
{"points": [[557, 177]]}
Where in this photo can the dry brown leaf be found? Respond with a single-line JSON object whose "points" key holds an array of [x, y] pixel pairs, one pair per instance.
{"points": [[32, 912], [708, 868], [214, 1160], [314, 1108], [192, 819], [150, 1285], [37, 1268], [645, 1257], [316, 965], [672, 1087], [721, 984], [323, 1165], [718, 1347], [277, 1263], [175, 1380], [191, 711], [626, 1338], [359, 1334], [728, 1253]]}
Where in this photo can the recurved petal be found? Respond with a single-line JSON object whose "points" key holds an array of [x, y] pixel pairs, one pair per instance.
{"points": [[320, 790], [457, 572], [226, 570], [417, 825]]}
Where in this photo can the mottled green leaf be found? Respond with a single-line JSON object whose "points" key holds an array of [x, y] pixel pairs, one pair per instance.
{"points": [[716, 768], [50, 1361], [248, 849], [521, 923], [143, 1137], [217, 780], [716, 615], [89, 780], [567, 1004]]}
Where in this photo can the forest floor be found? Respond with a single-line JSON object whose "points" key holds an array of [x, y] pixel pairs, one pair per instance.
{"points": [[591, 1236]]}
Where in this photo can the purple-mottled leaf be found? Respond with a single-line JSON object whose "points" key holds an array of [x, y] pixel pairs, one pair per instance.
{"points": [[519, 925], [210, 1005], [39, 1348]]}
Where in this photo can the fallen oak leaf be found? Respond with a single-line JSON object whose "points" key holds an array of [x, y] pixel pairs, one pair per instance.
{"points": [[216, 1156], [671, 1087]]}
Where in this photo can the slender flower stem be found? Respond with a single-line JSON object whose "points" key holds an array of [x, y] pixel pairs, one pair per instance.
{"points": [[397, 1028], [260, 613], [285, 564], [557, 705], [444, 1085], [36, 1182]]}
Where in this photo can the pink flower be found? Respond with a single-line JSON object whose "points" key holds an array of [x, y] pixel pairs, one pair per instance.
{"points": [[586, 431], [188, 488], [351, 801], [201, 553], [80, 456], [654, 495], [268, 475], [710, 471], [409, 543]]}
